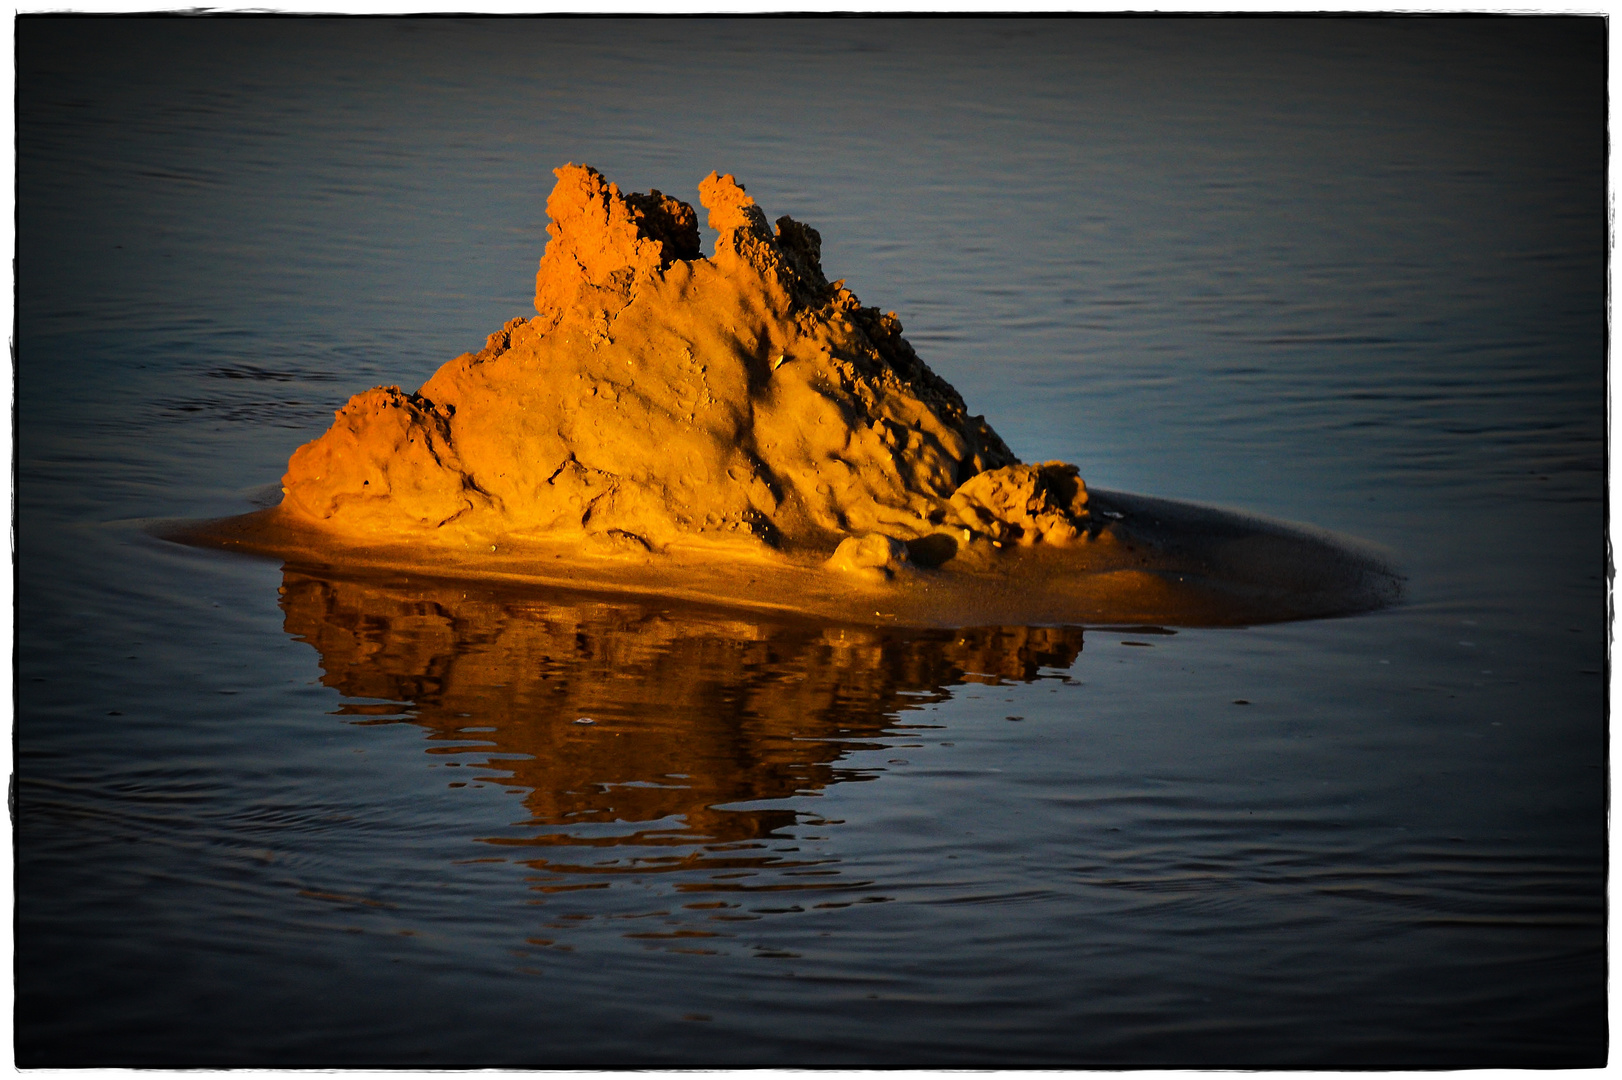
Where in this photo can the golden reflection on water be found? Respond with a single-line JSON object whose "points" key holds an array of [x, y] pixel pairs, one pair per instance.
{"points": [[635, 728]]}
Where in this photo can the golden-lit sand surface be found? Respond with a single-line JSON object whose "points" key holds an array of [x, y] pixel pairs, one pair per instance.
{"points": [[737, 429]]}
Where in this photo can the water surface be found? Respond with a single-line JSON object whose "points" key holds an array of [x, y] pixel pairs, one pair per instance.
{"points": [[1350, 273]]}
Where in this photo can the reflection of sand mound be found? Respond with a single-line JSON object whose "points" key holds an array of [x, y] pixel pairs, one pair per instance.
{"points": [[660, 396], [691, 710]]}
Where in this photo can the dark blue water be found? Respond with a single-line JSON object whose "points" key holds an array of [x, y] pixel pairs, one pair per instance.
{"points": [[1343, 272]]}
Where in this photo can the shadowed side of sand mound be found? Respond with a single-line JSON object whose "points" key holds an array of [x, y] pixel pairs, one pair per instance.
{"points": [[638, 724], [740, 429]]}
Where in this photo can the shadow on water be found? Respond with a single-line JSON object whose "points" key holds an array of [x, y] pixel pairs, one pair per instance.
{"points": [[643, 737]]}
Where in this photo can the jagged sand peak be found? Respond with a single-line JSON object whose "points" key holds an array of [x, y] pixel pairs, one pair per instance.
{"points": [[600, 241]]}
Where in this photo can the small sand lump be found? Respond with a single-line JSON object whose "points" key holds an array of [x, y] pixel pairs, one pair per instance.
{"points": [[662, 398], [875, 557]]}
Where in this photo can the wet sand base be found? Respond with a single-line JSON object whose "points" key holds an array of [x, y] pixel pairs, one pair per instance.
{"points": [[1155, 562]]}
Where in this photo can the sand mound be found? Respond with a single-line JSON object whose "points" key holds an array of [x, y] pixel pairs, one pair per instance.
{"points": [[738, 430], [659, 397]]}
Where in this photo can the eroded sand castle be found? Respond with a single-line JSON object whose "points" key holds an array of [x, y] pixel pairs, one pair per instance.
{"points": [[666, 419], [659, 397]]}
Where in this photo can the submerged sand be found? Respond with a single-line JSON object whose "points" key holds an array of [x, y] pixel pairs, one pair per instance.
{"points": [[739, 428]]}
